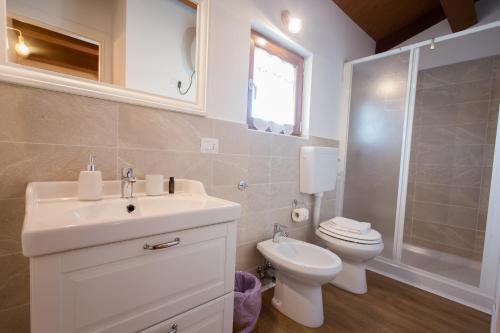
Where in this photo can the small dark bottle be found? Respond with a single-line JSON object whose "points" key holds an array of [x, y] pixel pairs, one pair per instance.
{"points": [[171, 185]]}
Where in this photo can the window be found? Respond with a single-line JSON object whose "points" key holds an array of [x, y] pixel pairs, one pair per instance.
{"points": [[274, 87]]}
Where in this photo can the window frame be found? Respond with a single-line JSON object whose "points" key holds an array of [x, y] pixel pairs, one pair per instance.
{"points": [[287, 55]]}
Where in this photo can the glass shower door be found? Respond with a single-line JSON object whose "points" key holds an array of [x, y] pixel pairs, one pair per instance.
{"points": [[422, 164], [453, 140], [376, 126]]}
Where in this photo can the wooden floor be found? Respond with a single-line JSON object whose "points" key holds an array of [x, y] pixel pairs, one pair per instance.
{"points": [[388, 307]]}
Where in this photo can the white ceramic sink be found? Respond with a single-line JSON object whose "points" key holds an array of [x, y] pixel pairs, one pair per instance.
{"points": [[57, 221]]}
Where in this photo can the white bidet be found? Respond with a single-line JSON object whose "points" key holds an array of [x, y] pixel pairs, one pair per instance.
{"points": [[301, 269]]}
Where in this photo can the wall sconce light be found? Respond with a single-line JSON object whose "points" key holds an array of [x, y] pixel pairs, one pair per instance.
{"points": [[294, 24], [21, 48]]}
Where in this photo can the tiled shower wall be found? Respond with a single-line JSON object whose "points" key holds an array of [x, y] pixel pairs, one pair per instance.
{"points": [[456, 114], [48, 136]]}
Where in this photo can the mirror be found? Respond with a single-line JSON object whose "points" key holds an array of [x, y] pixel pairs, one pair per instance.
{"points": [[145, 46]]}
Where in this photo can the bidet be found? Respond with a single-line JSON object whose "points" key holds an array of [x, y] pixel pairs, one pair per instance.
{"points": [[301, 269]]}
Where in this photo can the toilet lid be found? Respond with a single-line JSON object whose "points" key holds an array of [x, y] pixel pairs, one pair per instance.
{"points": [[371, 237]]}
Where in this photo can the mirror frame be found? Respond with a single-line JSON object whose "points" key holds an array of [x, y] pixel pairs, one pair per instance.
{"points": [[38, 78]]}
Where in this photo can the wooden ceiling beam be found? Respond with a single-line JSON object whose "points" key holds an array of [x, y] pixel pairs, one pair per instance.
{"points": [[424, 22], [189, 3], [461, 14]]}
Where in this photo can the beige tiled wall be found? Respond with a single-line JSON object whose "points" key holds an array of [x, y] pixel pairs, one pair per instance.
{"points": [[455, 123], [48, 136]]}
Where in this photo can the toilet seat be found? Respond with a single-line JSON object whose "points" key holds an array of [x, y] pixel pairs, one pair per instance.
{"points": [[371, 237]]}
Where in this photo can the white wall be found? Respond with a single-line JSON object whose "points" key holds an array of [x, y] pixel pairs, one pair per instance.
{"points": [[478, 45], [154, 40], [487, 11], [328, 34]]}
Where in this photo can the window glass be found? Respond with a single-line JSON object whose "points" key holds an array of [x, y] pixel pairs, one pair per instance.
{"points": [[275, 87], [274, 95]]}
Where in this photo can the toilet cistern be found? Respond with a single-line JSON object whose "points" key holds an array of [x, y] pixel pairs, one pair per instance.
{"points": [[318, 174], [278, 232]]}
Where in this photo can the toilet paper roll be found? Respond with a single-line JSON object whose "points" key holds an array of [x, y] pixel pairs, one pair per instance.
{"points": [[300, 215]]}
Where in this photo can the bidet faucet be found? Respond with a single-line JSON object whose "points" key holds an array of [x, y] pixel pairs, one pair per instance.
{"points": [[278, 232], [128, 180]]}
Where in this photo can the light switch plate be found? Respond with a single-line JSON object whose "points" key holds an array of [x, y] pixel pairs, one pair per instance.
{"points": [[209, 146]]}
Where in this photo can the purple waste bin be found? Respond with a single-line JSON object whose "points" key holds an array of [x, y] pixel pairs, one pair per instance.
{"points": [[247, 302]]}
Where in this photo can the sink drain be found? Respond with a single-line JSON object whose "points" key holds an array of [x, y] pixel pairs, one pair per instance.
{"points": [[130, 208]]}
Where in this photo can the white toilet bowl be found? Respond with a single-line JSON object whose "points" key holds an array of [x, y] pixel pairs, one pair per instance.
{"points": [[354, 250], [301, 269]]}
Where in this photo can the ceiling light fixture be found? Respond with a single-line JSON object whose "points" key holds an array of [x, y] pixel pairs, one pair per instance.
{"points": [[21, 48], [293, 24]]}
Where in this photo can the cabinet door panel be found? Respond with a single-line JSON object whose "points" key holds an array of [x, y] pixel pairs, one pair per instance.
{"points": [[130, 293], [208, 318]]}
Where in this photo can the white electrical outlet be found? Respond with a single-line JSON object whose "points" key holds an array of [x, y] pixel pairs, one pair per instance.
{"points": [[209, 146]]}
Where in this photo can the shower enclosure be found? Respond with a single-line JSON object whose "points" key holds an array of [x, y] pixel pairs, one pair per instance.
{"points": [[418, 161]]}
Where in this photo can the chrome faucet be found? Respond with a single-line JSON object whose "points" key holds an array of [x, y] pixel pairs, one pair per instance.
{"points": [[278, 232], [128, 180]]}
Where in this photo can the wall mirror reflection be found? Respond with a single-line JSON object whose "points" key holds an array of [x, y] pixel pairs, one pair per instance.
{"points": [[109, 42]]}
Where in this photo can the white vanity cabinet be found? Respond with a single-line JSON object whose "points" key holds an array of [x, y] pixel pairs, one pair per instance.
{"points": [[122, 287], [172, 282]]}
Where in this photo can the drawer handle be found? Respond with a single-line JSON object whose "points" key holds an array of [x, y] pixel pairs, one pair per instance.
{"points": [[174, 329], [166, 245]]}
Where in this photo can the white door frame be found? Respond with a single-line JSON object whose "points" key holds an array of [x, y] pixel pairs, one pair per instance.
{"points": [[491, 254], [411, 91]]}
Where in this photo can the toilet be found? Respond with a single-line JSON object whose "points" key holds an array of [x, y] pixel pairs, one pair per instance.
{"points": [[301, 270], [318, 174], [354, 250]]}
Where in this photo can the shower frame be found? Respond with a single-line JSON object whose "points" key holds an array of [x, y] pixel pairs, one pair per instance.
{"points": [[482, 298]]}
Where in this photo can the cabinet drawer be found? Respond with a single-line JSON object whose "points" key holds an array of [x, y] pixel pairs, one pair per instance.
{"points": [[213, 317], [123, 287]]}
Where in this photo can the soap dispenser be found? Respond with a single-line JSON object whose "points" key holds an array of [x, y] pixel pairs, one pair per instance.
{"points": [[90, 183]]}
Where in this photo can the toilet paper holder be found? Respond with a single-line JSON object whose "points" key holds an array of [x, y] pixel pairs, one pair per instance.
{"points": [[297, 204], [300, 212]]}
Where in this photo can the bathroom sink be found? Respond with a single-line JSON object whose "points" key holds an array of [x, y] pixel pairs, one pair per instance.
{"points": [[117, 208], [56, 220]]}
